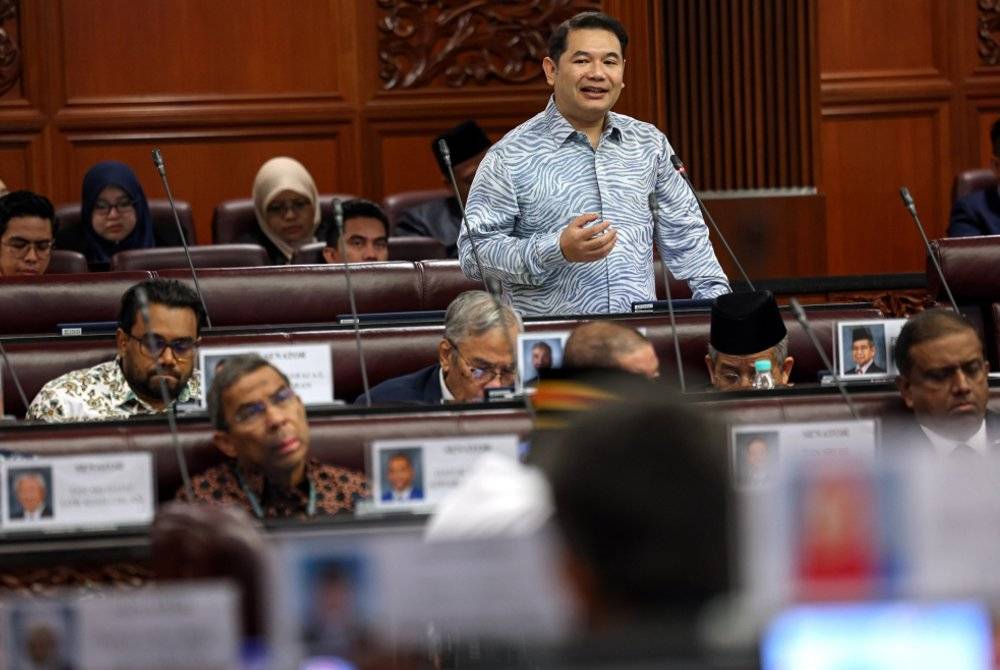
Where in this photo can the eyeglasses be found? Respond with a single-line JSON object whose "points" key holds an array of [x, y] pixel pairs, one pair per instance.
{"points": [[123, 205], [279, 208], [20, 246], [973, 369], [484, 374], [255, 411], [154, 345]]}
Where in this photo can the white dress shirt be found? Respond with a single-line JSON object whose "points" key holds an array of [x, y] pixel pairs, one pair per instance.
{"points": [[944, 446]]}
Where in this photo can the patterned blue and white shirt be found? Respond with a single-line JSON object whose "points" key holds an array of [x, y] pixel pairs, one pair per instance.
{"points": [[543, 174]]}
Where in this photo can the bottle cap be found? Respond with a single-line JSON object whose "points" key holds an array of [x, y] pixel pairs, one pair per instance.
{"points": [[762, 365]]}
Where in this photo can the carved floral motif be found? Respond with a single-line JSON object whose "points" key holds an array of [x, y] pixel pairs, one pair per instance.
{"points": [[455, 42], [10, 52], [989, 31]]}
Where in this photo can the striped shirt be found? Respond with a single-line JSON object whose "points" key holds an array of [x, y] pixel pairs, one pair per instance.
{"points": [[543, 174]]}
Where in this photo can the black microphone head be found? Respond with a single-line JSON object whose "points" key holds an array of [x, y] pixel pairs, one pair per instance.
{"points": [[904, 193], [338, 214], [158, 160], [797, 310], [654, 205], [678, 164], [143, 299], [444, 151]]}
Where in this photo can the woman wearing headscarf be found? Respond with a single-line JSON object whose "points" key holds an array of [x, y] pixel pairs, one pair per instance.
{"points": [[114, 216], [287, 209]]}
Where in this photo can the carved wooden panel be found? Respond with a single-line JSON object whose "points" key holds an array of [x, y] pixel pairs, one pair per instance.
{"points": [[989, 32], [457, 44], [740, 91], [10, 50]]}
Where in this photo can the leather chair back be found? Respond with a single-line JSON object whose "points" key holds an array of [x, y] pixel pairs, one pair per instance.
{"points": [[394, 205], [68, 216], [66, 262], [969, 181], [211, 256], [232, 219]]}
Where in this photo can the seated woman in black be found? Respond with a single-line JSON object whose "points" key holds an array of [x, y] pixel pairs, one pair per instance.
{"points": [[114, 216], [286, 205]]}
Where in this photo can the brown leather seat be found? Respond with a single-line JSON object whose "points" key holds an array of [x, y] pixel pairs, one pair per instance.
{"points": [[969, 181], [232, 219], [394, 205], [66, 262], [971, 268], [68, 216], [416, 249], [211, 256]]}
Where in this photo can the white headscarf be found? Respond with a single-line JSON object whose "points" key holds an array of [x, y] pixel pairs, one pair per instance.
{"points": [[277, 175]]}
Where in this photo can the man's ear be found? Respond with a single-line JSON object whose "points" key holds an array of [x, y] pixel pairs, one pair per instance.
{"points": [[121, 340], [903, 384], [224, 443], [711, 369], [330, 255], [786, 369], [444, 355], [549, 67]]}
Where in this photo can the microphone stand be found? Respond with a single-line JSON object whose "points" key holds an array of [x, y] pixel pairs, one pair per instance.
{"points": [[338, 216], [654, 209], [800, 316], [911, 207]]}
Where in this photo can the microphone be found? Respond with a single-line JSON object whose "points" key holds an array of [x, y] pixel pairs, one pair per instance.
{"points": [[338, 217], [682, 171], [911, 207], [800, 316], [143, 300], [13, 374], [162, 169], [654, 209], [446, 157]]}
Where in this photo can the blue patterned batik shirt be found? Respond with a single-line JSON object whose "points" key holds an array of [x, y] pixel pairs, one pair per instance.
{"points": [[543, 174]]}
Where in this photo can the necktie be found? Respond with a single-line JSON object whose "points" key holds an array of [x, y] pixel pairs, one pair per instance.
{"points": [[962, 450]]}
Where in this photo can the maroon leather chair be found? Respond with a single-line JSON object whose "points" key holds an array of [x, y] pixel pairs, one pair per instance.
{"points": [[66, 262], [68, 215], [394, 205], [971, 266], [234, 218], [309, 254], [210, 256], [969, 181], [400, 249]]}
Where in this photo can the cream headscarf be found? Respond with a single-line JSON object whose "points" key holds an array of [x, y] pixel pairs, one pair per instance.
{"points": [[277, 175]]}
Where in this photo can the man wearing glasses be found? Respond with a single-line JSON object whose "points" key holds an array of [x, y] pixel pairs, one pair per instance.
{"points": [[162, 350], [27, 228], [943, 381], [476, 353], [261, 426]]}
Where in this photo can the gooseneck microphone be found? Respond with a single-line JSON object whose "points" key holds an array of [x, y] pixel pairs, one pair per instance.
{"points": [[446, 157], [13, 375], [682, 171], [800, 316], [338, 218], [654, 209], [911, 207], [168, 406], [162, 169]]}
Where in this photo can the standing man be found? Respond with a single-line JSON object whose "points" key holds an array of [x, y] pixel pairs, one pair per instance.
{"points": [[129, 385], [559, 207], [27, 230], [863, 352]]}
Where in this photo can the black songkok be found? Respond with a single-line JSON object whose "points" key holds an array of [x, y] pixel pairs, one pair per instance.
{"points": [[862, 334], [745, 323], [466, 140]]}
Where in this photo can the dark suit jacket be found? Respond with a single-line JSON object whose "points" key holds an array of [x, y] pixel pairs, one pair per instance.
{"points": [[976, 214], [901, 431], [440, 219], [416, 493], [873, 370], [422, 387]]}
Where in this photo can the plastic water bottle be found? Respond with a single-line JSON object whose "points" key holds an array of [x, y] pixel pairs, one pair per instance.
{"points": [[762, 379]]}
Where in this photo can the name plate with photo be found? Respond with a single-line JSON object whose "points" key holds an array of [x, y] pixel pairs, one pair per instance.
{"points": [[181, 626], [415, 474], [865, 348], [758, 451], [309, 368], [94, 492], [537, 352]]}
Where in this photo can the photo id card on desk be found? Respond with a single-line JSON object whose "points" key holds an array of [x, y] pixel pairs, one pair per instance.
{"points": [[309, 368], [865, 348], [415, 474], [77, 492], [537, 352]]}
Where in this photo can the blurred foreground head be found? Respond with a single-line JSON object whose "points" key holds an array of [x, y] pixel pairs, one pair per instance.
{"points": [[642, 501]]}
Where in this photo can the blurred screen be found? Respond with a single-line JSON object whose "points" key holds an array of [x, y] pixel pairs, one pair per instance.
{"points": [[886, 636]]}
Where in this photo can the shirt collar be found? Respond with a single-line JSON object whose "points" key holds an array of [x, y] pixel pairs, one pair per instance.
{"points": [[943, 446], [255, 481], [561, 129], [446, 395]]}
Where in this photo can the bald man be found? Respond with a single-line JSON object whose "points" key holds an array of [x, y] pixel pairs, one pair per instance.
{"points": [[608, 345]]}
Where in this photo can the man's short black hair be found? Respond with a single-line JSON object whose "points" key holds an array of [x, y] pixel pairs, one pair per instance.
{"points": [[995, 138], [928, 325], [642, 498], [353, 209], [26, 203], [585, 21], [166, 292]]}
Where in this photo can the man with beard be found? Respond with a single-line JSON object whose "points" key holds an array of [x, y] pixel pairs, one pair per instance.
{"points": [[129, 386]]}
